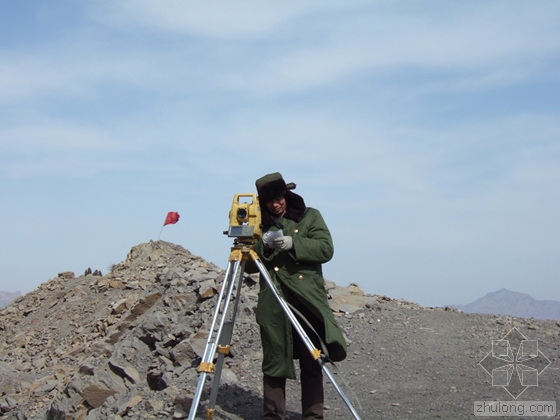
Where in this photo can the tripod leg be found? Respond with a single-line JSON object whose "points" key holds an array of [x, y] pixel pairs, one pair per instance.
{"points": [[224, 344], [206, 364], [315, 353], [223, 350]]}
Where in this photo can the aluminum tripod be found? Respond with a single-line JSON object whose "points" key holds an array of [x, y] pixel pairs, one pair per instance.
{"points": [[219, 336]]}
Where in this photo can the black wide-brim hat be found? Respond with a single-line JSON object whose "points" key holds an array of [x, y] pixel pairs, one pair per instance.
{"points": [[272, 186]]}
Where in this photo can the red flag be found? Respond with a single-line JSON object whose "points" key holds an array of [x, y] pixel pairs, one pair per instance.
{"points": [[172, 218]]}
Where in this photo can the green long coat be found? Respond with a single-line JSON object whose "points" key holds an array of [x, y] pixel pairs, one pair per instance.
{"points": [[297, 274]]}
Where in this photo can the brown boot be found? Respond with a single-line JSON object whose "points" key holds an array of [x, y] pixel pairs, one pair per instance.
{"points": [[274, 398], [312, 398]]}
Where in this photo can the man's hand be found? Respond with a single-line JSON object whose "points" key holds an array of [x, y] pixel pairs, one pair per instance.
{"points": [[283, 243], [267, 240]]}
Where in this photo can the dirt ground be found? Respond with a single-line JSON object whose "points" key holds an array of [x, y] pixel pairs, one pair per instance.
{"points": [[410, 363]]}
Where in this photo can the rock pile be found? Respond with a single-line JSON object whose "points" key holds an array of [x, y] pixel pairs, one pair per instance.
{"points": [[125, 343]]}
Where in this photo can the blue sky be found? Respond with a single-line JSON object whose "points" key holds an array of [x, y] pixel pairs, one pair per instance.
{"points": [[427, 134]]}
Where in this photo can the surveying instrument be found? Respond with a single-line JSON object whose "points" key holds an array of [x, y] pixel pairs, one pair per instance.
{"points": [[246, 229]]}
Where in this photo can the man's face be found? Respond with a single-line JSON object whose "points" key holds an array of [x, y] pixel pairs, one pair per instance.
{"points": [[277, 206]]}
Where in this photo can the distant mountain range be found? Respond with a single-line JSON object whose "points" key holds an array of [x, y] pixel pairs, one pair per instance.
{"points": [[7, 297], [507, 302]]}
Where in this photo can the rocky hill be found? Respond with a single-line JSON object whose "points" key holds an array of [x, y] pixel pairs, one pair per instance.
{"points": [[127, 345], [507, 302], [8, 297]]}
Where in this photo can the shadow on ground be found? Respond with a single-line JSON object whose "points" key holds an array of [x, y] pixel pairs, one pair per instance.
{"points": [[234, 403]]}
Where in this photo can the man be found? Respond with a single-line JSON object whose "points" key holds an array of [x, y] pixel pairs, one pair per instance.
{"points": [[293, 258]]}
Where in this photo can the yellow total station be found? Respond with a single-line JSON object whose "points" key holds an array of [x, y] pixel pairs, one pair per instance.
{"points": [[245, 217]]}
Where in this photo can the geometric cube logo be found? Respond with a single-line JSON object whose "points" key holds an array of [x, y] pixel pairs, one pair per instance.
{"points": [[502, 376], [515, 363]]}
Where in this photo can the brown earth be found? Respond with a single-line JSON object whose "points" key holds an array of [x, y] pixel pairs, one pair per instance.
{"points": [[127, 345]]}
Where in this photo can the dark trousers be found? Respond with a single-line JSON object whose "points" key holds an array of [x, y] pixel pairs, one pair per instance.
{"points": [[312, 399]]}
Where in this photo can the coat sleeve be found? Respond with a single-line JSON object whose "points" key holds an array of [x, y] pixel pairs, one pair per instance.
{"points": [[314, 243]]}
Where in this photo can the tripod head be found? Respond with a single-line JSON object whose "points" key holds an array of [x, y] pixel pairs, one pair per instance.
{"points": [[245, 219]]}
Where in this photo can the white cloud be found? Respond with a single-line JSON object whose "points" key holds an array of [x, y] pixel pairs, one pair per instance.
{"points": [[37, 149], [466, 48], [479, 47], [83, 72], [213, 18], [56, 137]]}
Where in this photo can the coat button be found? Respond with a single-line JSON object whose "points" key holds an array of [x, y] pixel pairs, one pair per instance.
{"points": [[276, 269], [295, 231], [301, 277]]}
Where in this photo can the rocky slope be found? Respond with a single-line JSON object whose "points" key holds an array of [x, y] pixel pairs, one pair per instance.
{"points": [[127, 345]]}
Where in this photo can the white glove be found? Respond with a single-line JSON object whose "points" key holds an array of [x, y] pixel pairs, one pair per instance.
{"points": [[284, 243], [267, 239]]}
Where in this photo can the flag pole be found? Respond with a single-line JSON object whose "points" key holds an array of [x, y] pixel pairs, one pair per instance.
{"points": [[161, 230]]}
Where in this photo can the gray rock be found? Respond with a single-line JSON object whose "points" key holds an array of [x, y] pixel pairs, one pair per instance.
{"points": [[7, 370], [104, 385], [183, 353], [125, 370], [348, 300], [47, 387], [7, 404], [207, 289]]}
